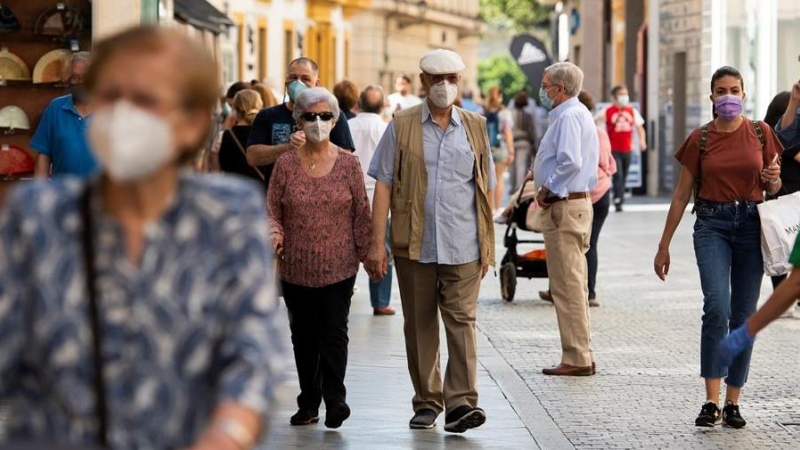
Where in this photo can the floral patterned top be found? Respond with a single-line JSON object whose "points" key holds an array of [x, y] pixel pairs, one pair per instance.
{"points": [[196, 323], [325, 221]]}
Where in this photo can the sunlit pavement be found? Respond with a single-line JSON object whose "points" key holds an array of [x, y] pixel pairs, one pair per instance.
{"points": [[646, 393]]}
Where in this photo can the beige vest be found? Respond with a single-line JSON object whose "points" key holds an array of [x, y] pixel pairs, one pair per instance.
{"points": [[410, 183]]}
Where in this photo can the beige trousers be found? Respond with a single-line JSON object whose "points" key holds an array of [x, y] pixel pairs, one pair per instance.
{"points": [[427, 290], [566, 226]]}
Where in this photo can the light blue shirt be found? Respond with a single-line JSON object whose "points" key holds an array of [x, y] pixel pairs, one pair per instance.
{"points": [[789, 136], [569, 152], [450, 211]]}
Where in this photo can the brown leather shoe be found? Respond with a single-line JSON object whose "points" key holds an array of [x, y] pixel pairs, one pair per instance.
{"points": [[546, 296], [383, 311], [569, 371]]}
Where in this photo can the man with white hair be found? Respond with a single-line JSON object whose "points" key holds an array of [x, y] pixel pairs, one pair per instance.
{"points": [[434, 169], [60, 138], [565, 170]]}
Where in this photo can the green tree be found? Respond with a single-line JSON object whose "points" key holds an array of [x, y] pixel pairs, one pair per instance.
{"points": [[519, 15], [503, 71]]}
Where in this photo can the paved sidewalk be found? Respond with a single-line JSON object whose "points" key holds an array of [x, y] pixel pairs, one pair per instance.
{"points": [[646, 337], [380, 392]]}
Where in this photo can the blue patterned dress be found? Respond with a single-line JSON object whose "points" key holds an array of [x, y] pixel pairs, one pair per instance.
{"points": [[193, 325]]}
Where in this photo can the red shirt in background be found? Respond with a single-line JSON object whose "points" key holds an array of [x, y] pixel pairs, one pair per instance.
{"points": [[620, 123]]}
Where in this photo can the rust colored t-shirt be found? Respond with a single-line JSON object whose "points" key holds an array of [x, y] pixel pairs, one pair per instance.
{"points": [[732, 161]]}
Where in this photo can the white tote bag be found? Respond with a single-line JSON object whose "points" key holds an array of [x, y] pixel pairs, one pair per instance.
{"points": [[780, 221]]}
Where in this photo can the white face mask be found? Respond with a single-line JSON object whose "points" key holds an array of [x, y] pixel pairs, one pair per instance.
{"points": [[318, 130], [443, 94], [130, 143]]}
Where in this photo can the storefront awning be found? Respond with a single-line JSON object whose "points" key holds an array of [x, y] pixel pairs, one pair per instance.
{"points": [[201, 14]]}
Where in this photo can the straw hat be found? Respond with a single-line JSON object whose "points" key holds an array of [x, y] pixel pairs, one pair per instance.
{"points": [[51, 66], [12, 67], [14, 118]]}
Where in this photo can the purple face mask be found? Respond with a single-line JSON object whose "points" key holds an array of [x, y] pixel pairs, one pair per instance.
{"points": [[728, 106]]}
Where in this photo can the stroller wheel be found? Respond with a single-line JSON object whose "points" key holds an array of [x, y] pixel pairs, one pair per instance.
{"points": [[508, 281]]}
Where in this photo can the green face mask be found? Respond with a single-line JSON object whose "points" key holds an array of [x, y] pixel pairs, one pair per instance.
{"points": [[295, 88]]}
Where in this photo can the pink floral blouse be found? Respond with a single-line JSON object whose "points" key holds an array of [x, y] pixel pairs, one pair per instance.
{"points": [[325, 221]]}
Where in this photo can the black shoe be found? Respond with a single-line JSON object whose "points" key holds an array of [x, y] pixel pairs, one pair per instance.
{"points": [[709, 416], [336, 415], [423, 419], [731, 417], [463, 418], [304, 417], [618, 207]]}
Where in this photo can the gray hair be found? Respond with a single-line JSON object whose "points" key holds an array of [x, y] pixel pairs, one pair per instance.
{"points": [[80, 57], [568, 75], [311, 97]]}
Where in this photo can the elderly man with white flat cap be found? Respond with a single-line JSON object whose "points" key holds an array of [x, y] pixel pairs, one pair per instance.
{"points": [[433, 169]]}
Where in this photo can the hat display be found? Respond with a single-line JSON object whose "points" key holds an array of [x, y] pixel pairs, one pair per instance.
{"points": [[14, 118], [51, 66], [8, 21], [61, 21], [441, 61], [15, 159], [12, 67]]}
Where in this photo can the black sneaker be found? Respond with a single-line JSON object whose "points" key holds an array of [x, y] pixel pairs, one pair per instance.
{"points": [[709, 416], [423, 419], [304, 417], [463, 418], [731, 417], [336, 415]]}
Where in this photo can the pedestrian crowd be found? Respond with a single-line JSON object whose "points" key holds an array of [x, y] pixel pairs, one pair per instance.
{"points": [[139, 298]]}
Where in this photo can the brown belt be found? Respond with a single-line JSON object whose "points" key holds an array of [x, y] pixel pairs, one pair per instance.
{"points": [[571, 196]]}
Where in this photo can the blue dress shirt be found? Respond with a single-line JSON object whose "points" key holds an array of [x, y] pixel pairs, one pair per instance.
{"points": [[569, 153], [790, 136], [61, 135], [450, 211]]}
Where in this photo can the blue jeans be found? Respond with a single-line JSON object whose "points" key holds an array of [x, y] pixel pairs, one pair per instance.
{"points": [[727, 240], [380, 292]]}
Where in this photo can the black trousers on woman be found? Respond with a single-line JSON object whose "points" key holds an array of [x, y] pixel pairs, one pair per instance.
{"points": [[318, 322], [600, 213]]}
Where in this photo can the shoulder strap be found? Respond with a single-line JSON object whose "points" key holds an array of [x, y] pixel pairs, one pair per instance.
{"points": [[760, 134], [94, 319], [702, 150], [244, 153]]}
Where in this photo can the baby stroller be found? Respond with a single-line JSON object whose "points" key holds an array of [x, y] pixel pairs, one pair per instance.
{"points": [[532, 264]]}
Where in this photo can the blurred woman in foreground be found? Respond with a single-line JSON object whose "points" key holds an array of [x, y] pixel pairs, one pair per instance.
{"points": [[164, 274]]}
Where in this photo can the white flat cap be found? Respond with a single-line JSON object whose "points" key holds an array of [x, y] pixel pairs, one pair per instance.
{"points": [[441, 61]]}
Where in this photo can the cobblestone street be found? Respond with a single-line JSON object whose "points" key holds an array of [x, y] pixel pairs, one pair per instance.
{"points": [[646, 393], [646, 334]]}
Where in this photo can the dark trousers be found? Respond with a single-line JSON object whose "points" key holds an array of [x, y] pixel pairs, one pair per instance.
{"points": [[623, 160], [600, 213], [318, 322]]}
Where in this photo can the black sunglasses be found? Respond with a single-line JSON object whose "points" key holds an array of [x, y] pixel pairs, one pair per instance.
{"points": [[312, 116]]}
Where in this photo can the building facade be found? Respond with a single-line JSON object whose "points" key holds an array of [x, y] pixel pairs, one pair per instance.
{"points": [[759, 37], [271, 33], [390, 37]]}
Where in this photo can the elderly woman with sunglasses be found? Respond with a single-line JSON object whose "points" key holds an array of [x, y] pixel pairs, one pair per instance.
{"points": [[321, 230]]}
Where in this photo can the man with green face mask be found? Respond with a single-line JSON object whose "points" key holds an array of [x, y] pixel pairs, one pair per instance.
{"points": [[274, 130], [621, 118]]}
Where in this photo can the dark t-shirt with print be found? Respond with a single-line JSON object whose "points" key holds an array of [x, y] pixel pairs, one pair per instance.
{"points": [[274, 126]]}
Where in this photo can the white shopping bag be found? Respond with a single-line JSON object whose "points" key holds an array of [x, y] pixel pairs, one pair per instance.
{"points": [[780, 221]]}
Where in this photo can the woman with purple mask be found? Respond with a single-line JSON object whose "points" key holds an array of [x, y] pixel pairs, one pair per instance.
{"points": [[728, 163]]}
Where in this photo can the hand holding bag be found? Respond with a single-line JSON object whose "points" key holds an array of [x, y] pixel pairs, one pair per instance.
{"points": [[780, 221]]}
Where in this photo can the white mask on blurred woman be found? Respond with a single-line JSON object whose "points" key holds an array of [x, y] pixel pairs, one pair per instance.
{"points": [[318, 130], [129, 142]]}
